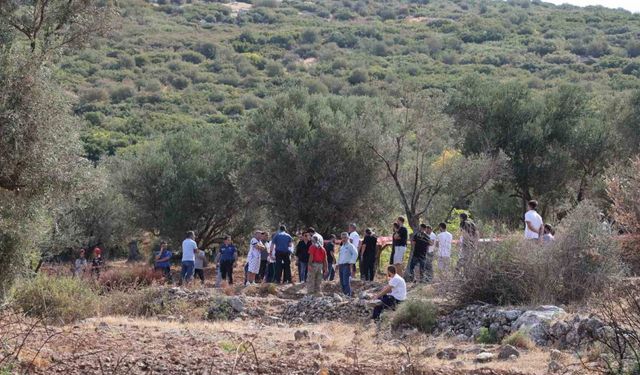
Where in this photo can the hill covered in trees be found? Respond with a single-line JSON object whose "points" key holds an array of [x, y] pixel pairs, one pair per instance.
{"points": [[177, 64]]}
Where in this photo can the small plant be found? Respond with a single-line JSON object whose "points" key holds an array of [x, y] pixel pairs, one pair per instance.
{"points": [[519, 339], [417, 313], [227, 346], [56, 299], [485, 336]]}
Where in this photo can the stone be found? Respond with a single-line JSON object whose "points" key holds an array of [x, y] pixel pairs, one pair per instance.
{"points": [[555, 367], [556, 355], [448, 354], [237, 304], [430, 352], [301, 335], [506, 351], [316, 346], [461, 338], [536, 322], [484, 357]]}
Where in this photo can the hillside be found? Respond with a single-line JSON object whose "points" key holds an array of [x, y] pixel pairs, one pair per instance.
{"points": [[172, 65]]}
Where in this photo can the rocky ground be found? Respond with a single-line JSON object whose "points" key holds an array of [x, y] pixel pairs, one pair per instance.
{"points": [[280, 330]]}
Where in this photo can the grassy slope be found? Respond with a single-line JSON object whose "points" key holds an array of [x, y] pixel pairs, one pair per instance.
{"points": [[151, 76]]}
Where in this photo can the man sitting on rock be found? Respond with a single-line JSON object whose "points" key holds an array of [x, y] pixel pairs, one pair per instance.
{"points": [[391, 294]]}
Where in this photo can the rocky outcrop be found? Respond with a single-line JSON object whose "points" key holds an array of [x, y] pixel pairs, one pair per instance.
{"points": [[545, 325], [317, 309]]}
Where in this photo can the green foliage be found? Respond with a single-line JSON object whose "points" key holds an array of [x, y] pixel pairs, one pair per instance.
{"points": [[185, 181], [486, 337], [58, 300], [519, 339], [415, 313]]}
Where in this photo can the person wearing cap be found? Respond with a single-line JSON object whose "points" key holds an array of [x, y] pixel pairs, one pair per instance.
{"points": [[368, 255], [392, 294], [163, 261], [346, 259], [227, 256], [97, 263], [317, 265]]}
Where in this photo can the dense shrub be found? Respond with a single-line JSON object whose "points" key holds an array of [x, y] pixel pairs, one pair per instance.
{"points": [[121, 93], [582, 260], [127, 278], [519, 339], [58, 300], [145, 302], [358, 76], [415, 313]]}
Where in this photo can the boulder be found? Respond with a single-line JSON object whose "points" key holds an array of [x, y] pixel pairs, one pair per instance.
{"points": [[536, 322], [485, 357], [506, 351], [301, 335], [556, 355], [448, 354], [555, 367], [237, 304]]}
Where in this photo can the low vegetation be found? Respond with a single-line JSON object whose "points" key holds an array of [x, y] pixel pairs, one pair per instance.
{"points": [[58, 300], [519, 339], [415, 313], [583, 260]]}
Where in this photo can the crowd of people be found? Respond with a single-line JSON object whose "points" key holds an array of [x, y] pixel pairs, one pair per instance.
{"points": [[317, 259]]}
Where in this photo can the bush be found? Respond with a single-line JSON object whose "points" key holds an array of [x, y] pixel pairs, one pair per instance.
{"points": [[146, 302], [584, 259], [486, 337], [358, 76], [416, 313], [128, 278], [58, 300], [121, 93], [519, 339]]}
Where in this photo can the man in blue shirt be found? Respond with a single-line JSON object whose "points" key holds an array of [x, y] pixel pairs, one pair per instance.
{"points": [[346, 259], [163, 261], [228, 255], [281, 244], [189, 248]]}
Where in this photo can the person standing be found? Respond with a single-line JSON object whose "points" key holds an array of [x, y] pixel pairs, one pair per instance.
{"points": [[400, 245], [354, 237], [533, 224], [548, 236], [346, 259], [330, 247], [392, 294], [163, 261], [199, 264], [80, 265], [468, 240], [189, 248], [228, 255], [302, 256], [317, 265], [253, 258], [443, 243], [420, 242], [368, 249], [97, 263], [281, 247]]}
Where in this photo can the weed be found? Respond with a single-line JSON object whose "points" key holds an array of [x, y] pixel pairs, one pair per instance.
{"points": [[418, 313], [519, 339]]}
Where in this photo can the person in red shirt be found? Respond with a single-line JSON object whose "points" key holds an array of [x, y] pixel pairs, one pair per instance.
{"points": [[317, 265]]}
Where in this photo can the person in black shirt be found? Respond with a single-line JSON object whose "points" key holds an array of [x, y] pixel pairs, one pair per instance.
{"points": [[368, 255], [421, 256], [400, 245], [302, 253], [330, 246]]}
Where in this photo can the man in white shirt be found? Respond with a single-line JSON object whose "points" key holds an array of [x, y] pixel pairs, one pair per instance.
{"points": [[533, 224], [443, 243], [354, 238], [392, 294], [189, 248]]}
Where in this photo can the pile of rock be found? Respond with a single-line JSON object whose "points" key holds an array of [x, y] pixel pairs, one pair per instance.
{"points": [[316, 309], [226, 308], [466, 323], [199, 297], [545, 325]]}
